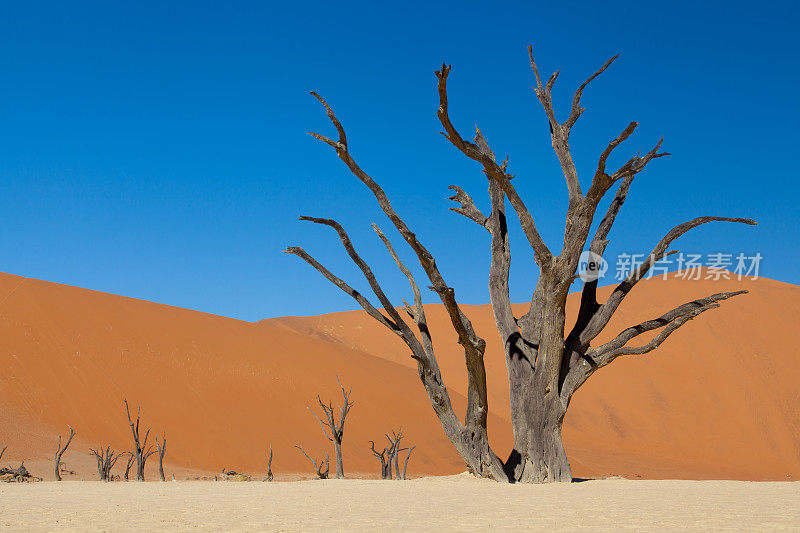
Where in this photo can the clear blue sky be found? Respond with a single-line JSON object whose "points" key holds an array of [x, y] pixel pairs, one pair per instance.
{"points": [[158, 149]]}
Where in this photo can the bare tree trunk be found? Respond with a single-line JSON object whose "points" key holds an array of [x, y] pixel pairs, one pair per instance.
{"points": [[337, 448], [269, 465], [3, 451], [405, 464], [162, 449], [538, 454], [60, 451], [546, 363], [131, 458]]}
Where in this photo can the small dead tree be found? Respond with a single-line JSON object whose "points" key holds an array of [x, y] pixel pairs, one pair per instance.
{"points": [[60, 451], [547, 361], [386, 470], [19, 475], [162, 449], [405, 463], [3, 451], [269, 465], [322, 468], [394, 451], [106, 459], [333, 430], [129, 463], [140, 449]]}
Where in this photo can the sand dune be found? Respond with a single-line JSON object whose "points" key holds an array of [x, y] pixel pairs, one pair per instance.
{"points": [[223, 389], [719, 400]]}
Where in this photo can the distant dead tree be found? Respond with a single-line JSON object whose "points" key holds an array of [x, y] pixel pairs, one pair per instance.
{"points": [[140, 449], [333, 430], [405, 463], [3, 451], [269, 465], [393, 451], [131, 458], [19, 474], [60, 451], [386, 468], [162, 449], [324, 466], [546, 362], [106, 459]]}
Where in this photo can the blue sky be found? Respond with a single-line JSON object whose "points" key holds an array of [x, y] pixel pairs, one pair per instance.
{"points": [[158, 149]]}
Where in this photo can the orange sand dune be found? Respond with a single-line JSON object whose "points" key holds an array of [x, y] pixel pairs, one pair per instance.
{"points": [[719, 400], [223, 389]]}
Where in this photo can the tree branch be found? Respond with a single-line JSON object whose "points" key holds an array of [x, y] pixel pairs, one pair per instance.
{"points": [[582, 368], [471, 435], [670, 321], [600, 240], [467, 208], [357, 296], [480, 152], [425, 258], [559, 133], [577, 110], [603, 314], [362, 265]]}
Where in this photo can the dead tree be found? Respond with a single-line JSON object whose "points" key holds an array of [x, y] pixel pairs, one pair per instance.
{"points": [[140, 449], [333, 430], [393, 452], [60, 451], [386, 470], [322, 469], [128, 465], [546, 362], [18, 475], [106, 459], [3, 451], [269, 465], [405, 463], [162, 449]]}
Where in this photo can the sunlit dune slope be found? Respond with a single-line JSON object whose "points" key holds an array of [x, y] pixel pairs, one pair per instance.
{"points": [[719, 399], [222, 389]]}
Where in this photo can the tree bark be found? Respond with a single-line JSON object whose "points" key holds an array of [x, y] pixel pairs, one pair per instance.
{"points": [[337, 447]]}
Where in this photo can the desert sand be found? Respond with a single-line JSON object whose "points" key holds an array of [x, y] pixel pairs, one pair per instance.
{"points": [[719, 400], [453, 503]]}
